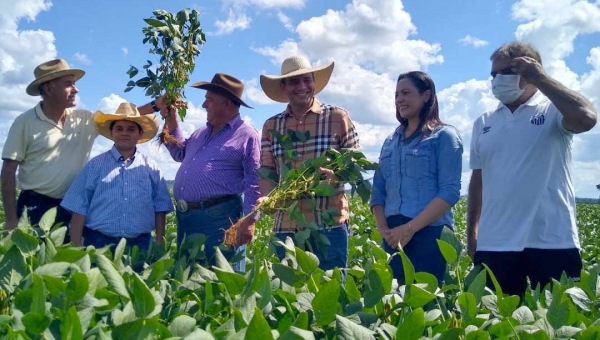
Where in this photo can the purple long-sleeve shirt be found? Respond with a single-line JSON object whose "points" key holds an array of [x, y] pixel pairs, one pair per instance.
{"points": [[223, 164]]}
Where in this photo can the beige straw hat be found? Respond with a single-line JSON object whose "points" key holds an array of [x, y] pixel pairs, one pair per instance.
{"points": [[291, 67], [51, 70], [126, 111]]}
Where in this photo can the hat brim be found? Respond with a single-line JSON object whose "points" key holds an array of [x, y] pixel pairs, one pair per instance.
{"points": [[33, 89], [271, 85], [149, 124], [204, 85]]}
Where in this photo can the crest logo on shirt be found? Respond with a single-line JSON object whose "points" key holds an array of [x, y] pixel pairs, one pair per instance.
{"points": [[538, 120], [486, 129]]}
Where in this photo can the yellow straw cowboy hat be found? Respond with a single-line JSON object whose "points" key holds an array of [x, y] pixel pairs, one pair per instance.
{"points": [[51, 70], [225, 85], [291, 67], [126, 111]]}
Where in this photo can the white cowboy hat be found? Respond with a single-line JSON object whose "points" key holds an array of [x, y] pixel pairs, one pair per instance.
{"points": [[291, 67], [126, 111], [51, 70]]}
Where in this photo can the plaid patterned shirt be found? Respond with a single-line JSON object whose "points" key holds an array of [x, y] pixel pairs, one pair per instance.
{"points": [[329, 127]]}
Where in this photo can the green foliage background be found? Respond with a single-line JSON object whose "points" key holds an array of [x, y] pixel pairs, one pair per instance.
{"points": [[55, 291]]}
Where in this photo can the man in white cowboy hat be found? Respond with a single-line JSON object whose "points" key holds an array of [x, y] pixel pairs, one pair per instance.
{"points": [[329, 127], [49, 144], [120, 193], [218, 163]]}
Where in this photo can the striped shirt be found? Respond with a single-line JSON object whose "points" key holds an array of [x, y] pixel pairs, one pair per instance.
{"points": [[116, 195], [329, 127], [218, 165]]}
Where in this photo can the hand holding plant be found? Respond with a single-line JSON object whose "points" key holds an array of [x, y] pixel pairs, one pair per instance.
{"points": [[176, 39]]}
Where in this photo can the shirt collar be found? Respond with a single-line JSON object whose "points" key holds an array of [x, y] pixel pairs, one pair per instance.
{"points": [[235, 121], [117, 155], [534, 100], [41, 115], [315, 107]]}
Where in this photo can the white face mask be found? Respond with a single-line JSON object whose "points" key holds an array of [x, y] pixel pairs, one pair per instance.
{"points": [[505, 88]]}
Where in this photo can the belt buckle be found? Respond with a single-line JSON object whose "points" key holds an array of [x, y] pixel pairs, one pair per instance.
{"points": [[182, 205]]}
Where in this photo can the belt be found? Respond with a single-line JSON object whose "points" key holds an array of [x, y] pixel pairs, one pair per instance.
{"points": [[184, 206], [94, 233]]}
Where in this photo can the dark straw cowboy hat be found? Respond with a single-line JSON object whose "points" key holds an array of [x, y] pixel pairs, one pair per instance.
{"points": [[225, 85], [51, 70]]}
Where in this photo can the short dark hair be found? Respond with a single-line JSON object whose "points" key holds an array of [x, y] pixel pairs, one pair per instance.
{"points": [[113, 122], [516, 49]]}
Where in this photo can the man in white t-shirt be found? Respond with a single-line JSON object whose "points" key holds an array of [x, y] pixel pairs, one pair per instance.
{"points": [[49, 144], [521, 206]]}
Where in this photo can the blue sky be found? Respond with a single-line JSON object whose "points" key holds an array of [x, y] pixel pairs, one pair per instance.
{"points": [[371, 41]]}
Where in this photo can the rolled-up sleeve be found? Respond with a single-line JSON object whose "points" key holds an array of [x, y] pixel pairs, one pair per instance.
{"points": [[449, 165]]}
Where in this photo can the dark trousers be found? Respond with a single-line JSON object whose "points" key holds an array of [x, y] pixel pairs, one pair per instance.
{"points": [[212, 223], [97, 239], [333, 255], [422, 251], [38, 204], [511, 268]]}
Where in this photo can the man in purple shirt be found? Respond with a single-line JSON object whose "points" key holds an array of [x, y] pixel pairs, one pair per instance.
{"points": [[218, 163]]}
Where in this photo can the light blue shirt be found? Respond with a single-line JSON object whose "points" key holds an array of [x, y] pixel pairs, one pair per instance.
{"points": [[119, 197], [413, 172]]}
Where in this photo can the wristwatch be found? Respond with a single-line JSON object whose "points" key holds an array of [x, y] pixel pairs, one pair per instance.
{"points": [[154, 107]]}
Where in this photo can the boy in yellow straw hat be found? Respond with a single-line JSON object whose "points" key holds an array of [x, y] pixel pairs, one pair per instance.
{"points": [[120, 193], [329, 127], [49, 144]]}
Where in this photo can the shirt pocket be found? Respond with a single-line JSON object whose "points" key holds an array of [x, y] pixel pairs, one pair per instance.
{"points": [[386, 163], [143, 187], [418, 163]]}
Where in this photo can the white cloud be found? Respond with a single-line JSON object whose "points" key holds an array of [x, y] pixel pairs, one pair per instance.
{"points": [[20, 52], [254, 92], [235, 21], [82, 58], [472, 41], [110, 103], [286, 21], [125, 50], [373, 34]]}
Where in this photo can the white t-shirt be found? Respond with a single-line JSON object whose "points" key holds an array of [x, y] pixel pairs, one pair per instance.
{"points": [[49, 156], [525, 160]]}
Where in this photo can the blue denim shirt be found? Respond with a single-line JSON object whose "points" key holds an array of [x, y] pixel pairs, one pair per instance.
{"points": [[413, 172]]}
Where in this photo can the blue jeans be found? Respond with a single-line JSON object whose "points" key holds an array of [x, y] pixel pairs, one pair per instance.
{"points": [[211, 222], [336, 253], [422, 251], [98, 240]]}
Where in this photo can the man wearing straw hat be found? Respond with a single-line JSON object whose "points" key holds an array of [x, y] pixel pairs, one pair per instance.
{"points": [[218, 163], [329, 127], [120, 193], [49, 144]]}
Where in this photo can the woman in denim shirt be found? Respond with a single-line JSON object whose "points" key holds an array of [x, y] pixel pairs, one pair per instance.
{"points": [[418, 180]]}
